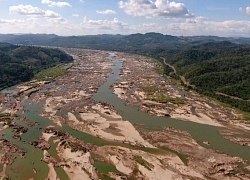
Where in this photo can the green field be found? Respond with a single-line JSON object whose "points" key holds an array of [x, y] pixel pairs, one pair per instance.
{"points": [[51, 73]]}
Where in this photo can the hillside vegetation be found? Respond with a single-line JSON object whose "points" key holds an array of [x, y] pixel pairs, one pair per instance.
{"points": [[218, 69], [21, 63]]}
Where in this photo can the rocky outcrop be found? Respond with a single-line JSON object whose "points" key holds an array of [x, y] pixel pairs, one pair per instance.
{"points": [[8, 147], [43, 145], [30, 123], [55, 132]]}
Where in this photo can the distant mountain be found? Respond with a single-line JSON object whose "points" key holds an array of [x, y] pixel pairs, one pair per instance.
{"points": [[115, 42], [27, 39]]}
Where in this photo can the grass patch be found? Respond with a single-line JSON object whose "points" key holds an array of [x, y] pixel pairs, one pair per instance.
{"points": [[5, 178], [147, 77], [161, 98], [154, 95], [159, 68], [142, 162], [33, 85], [176, 82], [31, 92], [149, 90], [68, 66], [246, 115], [4, 115], [51, 73]]}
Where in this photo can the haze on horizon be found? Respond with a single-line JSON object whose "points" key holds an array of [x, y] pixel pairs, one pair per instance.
{"points": [[90, 17]]}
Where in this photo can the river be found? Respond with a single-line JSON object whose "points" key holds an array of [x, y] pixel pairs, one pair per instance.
{"points": [[23, 168], [199, 132]]}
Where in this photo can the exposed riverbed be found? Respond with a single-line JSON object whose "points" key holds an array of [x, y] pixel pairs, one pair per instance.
{"points": [[32, 167], [199, 132]]}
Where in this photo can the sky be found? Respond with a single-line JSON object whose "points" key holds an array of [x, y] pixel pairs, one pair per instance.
{"points": [[90, 17]]}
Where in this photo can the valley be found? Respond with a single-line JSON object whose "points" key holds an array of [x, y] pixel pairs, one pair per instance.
{"points": [[114, 115]]}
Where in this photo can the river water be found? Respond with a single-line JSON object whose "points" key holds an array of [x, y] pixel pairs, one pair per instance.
{"points": [[199, 132], [23, 168]]}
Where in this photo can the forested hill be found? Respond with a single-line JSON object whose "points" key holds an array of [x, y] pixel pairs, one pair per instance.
{"points": [[20, 63], [218, 69], [27, 39], [134, 42]]}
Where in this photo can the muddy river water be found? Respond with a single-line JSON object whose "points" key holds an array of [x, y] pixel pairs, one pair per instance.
{"points": [[32, 167], [199, 132]]}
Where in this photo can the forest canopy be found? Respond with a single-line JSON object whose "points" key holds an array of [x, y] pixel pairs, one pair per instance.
{"points": [[21, 63]]}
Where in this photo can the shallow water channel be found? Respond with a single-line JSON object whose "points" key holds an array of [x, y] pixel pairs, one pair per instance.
{"points": [[199, 132], [32, 167]]}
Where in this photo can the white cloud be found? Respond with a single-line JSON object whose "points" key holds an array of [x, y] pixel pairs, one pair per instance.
{"points": [[198, 26], [56, 4], [159, 8], [108, 11], [245, 10], [248, 10], [33, 25], [190, 27], [82, 1], [51, 14], [104, 26], [114, 22], [75, 15], [26, 10], [11, 21], [241, 9], [187, 27], [32, 11]]}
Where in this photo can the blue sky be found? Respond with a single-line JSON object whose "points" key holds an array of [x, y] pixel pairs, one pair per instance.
{"points": [[83, 17]]}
